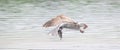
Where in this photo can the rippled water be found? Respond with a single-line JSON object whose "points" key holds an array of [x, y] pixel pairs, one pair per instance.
{"points": [[21, 24]]}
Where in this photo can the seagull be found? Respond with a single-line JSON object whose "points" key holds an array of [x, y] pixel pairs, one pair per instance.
{"points": [[62, 21]]}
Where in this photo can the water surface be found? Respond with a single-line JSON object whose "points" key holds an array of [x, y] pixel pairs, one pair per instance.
{"points": [[21, 24]]}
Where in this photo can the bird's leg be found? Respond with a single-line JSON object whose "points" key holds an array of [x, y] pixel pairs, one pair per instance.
{"points": [[60, 32]]}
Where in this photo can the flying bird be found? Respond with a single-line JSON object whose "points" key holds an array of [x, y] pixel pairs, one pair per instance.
{"points": [[62, 21]]}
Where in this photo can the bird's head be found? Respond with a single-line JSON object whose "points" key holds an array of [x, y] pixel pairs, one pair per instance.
{"points": [[82, 27]]}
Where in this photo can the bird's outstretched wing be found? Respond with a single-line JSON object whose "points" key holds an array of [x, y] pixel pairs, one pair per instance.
{"points": [[57, 20]]}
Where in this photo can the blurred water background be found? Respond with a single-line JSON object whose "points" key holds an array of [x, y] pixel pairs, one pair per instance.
{"points": [[21, 24]]}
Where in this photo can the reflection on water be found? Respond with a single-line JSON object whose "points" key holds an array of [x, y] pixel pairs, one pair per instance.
{"points": [[21, 21]]}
